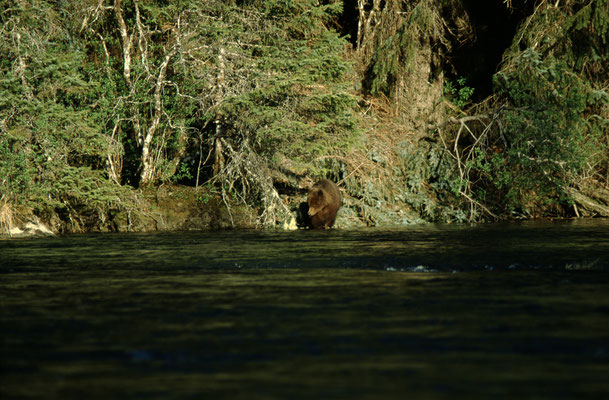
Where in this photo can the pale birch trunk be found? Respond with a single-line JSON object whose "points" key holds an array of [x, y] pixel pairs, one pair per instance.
{"points": [[148, 159], [126, 41]]}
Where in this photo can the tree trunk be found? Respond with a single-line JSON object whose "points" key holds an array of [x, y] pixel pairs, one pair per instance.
{"points": [[218, 150], [126, 39], [148, 159]]}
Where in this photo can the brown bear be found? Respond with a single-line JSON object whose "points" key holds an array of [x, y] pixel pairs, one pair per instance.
{"points": [[323, 200]]}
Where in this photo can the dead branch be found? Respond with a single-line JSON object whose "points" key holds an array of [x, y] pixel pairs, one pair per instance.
{"points": [[591, 197], [93, 13], [462, 160], [246, 168]]}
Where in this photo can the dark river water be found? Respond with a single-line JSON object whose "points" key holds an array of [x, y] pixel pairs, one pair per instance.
{"points": [[427, 312]]}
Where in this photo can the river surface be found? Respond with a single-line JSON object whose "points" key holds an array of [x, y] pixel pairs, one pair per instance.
{"points": [[517, 311]]}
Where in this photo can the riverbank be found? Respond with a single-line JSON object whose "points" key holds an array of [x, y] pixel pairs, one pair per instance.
{"points": [[166, 208], [412, 113], [182, 208]]}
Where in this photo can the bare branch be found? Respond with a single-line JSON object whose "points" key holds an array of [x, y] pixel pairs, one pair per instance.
{"points": [[93, 13], [142, 41], [126, 39], [147, 161]]}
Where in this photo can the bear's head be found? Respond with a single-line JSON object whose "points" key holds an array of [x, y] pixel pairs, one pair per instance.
{"points": [[316, 200]]}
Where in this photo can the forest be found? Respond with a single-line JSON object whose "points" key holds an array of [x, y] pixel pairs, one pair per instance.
{"points": [[132, 115]]}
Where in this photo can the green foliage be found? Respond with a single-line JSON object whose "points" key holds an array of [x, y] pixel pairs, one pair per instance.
{"points": [[84, 187], [52, 146], [430, 184], [588, 29], [396, 46], [548, 137], [458, 92], [285, 73], [393, 56], [545, 129], [576, 32], [77, 105], [15, 168], [182, 172], [267, 80]]}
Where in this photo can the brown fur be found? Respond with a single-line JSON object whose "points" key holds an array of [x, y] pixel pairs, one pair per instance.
{"points": [[324, 200]]}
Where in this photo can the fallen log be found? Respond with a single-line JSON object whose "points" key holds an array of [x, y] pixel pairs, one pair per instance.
{"points": [[591, 199]]}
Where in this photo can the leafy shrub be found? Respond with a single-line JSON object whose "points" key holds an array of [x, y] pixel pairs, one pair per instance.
{"points": [[547, 137], [458, 92]]}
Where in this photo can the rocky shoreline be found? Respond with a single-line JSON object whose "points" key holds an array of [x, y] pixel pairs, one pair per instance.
{"points": [[30, 229]]}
